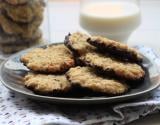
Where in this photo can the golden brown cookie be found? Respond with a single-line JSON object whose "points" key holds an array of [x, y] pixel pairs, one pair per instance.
{"points": [[117, 49], [77, 42], [12, 48], [20, 13], [86, 77], [24, 30], [17, 2], [24, 13], [46, 84], [53, 59], [6, 39], [128, 71]]}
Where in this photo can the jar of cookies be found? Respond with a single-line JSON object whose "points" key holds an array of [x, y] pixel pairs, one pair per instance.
{"points": [[20, 24]]}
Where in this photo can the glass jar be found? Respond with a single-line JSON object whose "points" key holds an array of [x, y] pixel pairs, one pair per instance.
{"points": [[22, 25]]}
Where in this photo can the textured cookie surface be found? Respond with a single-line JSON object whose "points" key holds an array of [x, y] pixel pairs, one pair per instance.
{"points": [[115, 48], [86, 77], [16, 2], [53, 59], [16, 39], [77, 42], [45, 84], [24, 13], [129, 71], [12, 48], [24, 30]]}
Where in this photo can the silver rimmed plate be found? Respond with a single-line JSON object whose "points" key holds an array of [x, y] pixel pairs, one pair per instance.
{"points": [[12, 72]]}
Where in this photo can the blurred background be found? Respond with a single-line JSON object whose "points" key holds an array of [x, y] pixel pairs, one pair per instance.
{"points": [[63, 17]]}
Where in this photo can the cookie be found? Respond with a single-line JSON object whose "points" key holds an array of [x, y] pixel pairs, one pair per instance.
{"points": [[77, 42], [12, 48], [5, 38], [85, 77], [16, 2], [53, 59], [24, 30], [108, 65], [16, 39], [118, 49], [46, 84], [24, 13]]}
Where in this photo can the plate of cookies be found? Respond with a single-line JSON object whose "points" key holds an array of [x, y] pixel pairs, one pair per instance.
{"points": [[81, 70]]}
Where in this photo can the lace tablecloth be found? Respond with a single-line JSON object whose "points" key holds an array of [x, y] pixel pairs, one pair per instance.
{"points": [[18, 110]]}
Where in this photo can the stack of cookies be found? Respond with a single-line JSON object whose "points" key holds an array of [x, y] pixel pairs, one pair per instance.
{"points": [[19, 24], [92, 63], [48, 67]]}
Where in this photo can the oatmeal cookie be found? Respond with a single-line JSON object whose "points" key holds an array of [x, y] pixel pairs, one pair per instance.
{"points": [[53, 59], [12, 48], [5, 38], [16, 39], [24, 30], [128, 71], [46, 84], [118, 49], [16, 2], [86, 77], [77, 42], [24, 13]]}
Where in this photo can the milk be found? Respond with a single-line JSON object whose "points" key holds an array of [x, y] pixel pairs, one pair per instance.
{"points": [[115, 20]]}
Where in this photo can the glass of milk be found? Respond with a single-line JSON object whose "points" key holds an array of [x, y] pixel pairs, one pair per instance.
{"points": [[114, 19]]}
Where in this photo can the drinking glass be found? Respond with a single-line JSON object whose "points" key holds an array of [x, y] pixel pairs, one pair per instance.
{"points": [[114, 19]]}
